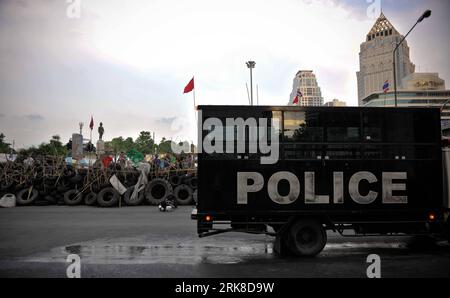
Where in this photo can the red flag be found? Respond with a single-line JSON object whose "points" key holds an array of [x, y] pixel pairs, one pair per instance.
{"points": [[299, 93], [189, 87], [91, 125]]}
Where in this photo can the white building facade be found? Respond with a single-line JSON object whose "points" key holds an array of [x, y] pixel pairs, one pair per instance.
{"points": [[305, 81], [420, 90], [335, 103]]}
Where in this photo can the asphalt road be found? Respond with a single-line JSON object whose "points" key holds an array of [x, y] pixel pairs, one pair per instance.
{"points": [[143, 242]]}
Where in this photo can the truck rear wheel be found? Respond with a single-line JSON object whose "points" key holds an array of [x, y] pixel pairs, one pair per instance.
{"points": [[306, 237]]}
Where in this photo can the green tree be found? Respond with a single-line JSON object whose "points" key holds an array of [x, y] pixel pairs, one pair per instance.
{"points": [[115, 145], [53, 147], [4, 147], [165, 146], [24, 153], [128, 144], [119, 144], [144, 143]]}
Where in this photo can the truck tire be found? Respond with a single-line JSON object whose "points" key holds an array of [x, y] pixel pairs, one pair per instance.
{"points": [[127, 197], [26, 196], [108, 197], [306, 237], [281, 247], [73, 197], [183, 194], [157, 191], [90, 199]]}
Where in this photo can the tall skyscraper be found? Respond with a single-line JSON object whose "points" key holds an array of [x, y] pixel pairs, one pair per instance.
{"points": [[305, 81], [375, 59]]}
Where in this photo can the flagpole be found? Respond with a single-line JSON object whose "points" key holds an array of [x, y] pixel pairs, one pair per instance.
{"points": [[90, 136], [193, 90], [195, 114]]}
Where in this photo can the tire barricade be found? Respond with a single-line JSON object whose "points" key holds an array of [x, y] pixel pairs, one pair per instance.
{"points": [[62, 184]]}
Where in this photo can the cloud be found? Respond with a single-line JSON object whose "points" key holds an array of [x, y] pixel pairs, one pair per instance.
{"points": [[35, 117], [2, 115], [166, 120]]}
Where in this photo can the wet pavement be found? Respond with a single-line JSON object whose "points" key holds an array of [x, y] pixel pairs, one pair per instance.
{"points": [[143, 242]]}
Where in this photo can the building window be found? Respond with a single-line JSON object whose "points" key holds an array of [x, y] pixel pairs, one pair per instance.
{"points": [[302, 127], [342, 127], [372, 126]]}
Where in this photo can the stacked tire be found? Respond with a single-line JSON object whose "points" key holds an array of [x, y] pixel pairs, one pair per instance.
{"points": [[183, 194], [128, 197], [108, 197], [26, 196], [157, 191], [184, 188]]}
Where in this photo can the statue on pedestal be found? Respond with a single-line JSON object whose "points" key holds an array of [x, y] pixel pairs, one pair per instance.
{"points": [[101, 130]]}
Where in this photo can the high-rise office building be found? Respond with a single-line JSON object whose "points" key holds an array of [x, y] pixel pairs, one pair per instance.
{"points": [[376, 67], [305, 84], [375, 59]]}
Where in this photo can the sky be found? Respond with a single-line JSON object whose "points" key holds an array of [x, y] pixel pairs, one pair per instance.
{"points": [[126, 62]]}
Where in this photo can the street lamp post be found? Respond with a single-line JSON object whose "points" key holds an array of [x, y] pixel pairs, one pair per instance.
{"points": [[251, 65], [425, 15]]}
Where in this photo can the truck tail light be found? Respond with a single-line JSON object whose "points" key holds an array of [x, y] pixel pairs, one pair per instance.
{"points": [[208, 218], [431, 216]]}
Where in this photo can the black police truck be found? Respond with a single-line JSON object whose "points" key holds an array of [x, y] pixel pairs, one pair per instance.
{"points": [[295, 172]]}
